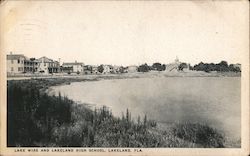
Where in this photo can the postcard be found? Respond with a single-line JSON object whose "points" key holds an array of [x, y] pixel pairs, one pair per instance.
{"points": [[124, 77]]}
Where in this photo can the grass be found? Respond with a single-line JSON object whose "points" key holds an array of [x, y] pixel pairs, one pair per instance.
{"points": [[36, 119]]}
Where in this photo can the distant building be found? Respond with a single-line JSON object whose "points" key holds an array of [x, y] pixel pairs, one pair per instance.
{"points": [[31, 65], [15, 63], [237, 65], [118, 69], [46, 65], [74, 67], [18, 63], [171, 67], [107, 69], [132, 69]]}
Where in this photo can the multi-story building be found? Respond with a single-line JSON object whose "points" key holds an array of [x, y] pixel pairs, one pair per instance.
{"points": [[15, 63], [31, 65], [18, 63], [73, 67], [46, 65]]}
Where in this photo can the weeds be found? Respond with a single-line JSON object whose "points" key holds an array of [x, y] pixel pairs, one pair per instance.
{"points": [[36, 119]]}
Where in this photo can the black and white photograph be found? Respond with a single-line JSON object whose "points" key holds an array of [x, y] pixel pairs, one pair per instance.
{"points": [[124, 77]]}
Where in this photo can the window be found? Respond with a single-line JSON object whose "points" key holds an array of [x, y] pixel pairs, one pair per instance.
{"points": [[20, 69], [12, 61], [12, 69], [18, 61]]}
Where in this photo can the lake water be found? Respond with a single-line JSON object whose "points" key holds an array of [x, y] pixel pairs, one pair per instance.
{"points": [[212, 100]]}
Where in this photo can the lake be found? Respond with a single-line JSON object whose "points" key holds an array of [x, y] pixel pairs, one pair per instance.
{"points": [[212, 100]]}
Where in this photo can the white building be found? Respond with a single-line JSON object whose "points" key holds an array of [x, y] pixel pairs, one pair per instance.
{"points": [[173, 67], [73, 67], [46, 65], [107, 69], [132, 69], [18, 63], [15, 63]]}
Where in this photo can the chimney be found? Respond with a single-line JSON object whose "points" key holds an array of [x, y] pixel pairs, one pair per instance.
{"points": [[75, 61], [11, 53]]}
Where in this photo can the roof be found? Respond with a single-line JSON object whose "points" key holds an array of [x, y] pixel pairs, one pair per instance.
{"points": [[46, 59], [72, 63], [16, 57]]}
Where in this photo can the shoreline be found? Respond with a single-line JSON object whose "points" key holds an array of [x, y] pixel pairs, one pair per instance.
{"points": [[55, 80], [127, 75], [44, 84]]}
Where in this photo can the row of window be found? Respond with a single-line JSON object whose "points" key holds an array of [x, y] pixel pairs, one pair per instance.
{"points": [[25, 69], [19, 68], [35, 63], [23, 62]]}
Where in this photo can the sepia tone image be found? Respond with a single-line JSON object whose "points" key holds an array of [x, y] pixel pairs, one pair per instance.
{"points": [[121, 74]]}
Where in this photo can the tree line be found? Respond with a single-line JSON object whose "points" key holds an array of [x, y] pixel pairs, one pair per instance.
{"points": [[206, 67], [219, 67]]}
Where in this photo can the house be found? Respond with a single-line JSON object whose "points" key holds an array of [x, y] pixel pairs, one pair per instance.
{"points": [[18, 63], [46, 65], [171, 67], [73, 67], [15, 63], [118, 69], [107, 69], [237, 65], [131, 69], [31, 65]]}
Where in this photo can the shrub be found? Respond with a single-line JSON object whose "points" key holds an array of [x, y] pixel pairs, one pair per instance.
{"points": [[37, 119], [143, 68], [200, 134]]}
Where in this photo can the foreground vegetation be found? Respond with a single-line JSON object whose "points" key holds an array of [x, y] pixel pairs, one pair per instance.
{"points": [[38, 119]]}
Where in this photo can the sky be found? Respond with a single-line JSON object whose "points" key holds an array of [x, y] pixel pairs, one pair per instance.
{"points": [[126, 32]]}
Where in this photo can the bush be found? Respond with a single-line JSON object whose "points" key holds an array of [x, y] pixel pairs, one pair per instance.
{"points": [[36, 119], [158, 66], [32, 114], [143, 68], [199, 134]]}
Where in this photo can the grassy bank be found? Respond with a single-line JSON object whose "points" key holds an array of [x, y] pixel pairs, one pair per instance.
{"points": [[38, 119], [127, 75]]}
